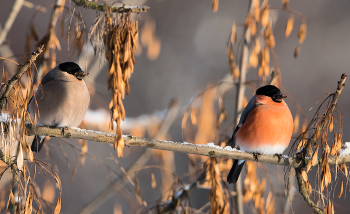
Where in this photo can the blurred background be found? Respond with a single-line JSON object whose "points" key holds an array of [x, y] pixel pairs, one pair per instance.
{"points": [[187, 55]]}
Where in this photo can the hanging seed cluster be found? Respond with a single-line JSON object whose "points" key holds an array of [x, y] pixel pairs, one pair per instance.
{"points": [[259, 34], [120, 41]]}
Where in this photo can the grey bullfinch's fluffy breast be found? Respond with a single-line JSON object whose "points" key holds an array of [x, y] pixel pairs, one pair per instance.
{"points": [[62, 99]]}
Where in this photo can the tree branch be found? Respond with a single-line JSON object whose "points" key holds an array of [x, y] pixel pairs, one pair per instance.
{"points": [[94, 6], [304, 193], [312, 141], [18, 75], [209, 150]]}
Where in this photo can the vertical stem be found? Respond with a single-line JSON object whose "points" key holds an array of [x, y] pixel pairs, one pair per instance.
{"points": [[239, 101]]}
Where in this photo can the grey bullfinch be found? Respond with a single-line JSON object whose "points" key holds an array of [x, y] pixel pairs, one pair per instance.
{"points": [[61, 100], [265, 127]]}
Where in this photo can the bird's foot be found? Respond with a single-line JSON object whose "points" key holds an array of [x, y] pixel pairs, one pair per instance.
{"points": [[256, 155], [279, 157]]}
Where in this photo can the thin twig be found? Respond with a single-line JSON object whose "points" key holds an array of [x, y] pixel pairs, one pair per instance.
{"points": [[17, 5], [182, 194], [105, 8], [18, 75]]}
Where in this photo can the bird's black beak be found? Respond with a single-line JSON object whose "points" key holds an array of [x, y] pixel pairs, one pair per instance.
{"points": [[80, 75], [278, 97]]}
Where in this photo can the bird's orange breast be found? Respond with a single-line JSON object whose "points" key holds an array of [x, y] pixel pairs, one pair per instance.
{"points": [[267, 129]]}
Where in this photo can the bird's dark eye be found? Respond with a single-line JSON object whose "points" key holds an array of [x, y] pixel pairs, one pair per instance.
{"points": [[278, 97]]}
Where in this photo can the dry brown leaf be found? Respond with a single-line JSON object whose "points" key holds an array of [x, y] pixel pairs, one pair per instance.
{"points": [[215, 5], [247, 21], [137, 191], [260, 72], [20, 158], [28, 205], [341, 189], [84, 149], [314, 160], [194, 116], [329, 207], [339, 139], [308, 187], [184, 120], [271, 42], [253, 59], [253, 28], [245, 102], [296, 51], [304, 174], [344, 169], [153, 181], [58, 206], [48, 193], [296, 124], [289, 25], [265, 16], [234, 33], [117, 209], [302, 33], [257, 46], [331, 124]]}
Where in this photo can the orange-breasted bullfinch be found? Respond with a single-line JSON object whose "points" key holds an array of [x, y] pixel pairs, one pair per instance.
{"points": [[265, 127], [61, 100]]}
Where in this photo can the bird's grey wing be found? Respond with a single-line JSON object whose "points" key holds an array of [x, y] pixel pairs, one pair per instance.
{"points": [[251, 104], [246, 110], [51, 75]]}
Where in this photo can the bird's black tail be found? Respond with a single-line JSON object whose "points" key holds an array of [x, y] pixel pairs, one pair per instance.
{"points": [[235, 171], [38, 143]]}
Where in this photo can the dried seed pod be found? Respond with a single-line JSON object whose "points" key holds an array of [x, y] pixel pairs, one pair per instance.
{"points": [[296, 124], [215, 5], [302, 33], [341, 189], [296, 51], [253, 59], [289, 25], [234, 33], [265, 16]]}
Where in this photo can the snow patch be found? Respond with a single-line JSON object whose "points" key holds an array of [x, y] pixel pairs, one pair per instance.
{"points": [[345, 150]]}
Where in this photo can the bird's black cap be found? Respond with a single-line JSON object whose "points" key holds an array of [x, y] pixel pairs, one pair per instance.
{"points": [[271, 91], [70, 67]]}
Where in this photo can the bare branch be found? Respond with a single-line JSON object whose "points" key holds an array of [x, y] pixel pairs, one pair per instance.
{"points": [[303, 192], [312, 141], [209, 150], [22, 69], [94, 6]]}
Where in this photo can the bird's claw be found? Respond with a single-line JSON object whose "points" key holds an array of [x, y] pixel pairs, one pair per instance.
{"points": [[279, 157], [256, 155], [62, 131]]}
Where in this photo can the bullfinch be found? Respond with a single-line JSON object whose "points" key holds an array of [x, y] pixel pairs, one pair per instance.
{"points": [[61, 100], [265, 127]]}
